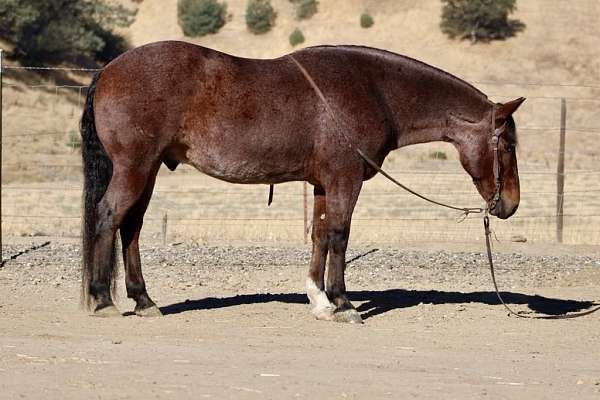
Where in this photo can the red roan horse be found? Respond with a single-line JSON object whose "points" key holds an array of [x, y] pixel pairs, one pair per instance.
{"points": [[261, 122]]}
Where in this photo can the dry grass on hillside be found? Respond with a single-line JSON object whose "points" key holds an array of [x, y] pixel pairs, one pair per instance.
{"points": [[558, 45]]}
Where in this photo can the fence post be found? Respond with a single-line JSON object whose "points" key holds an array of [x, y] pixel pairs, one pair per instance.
{"points": [[1, 59], [305, 196], [560, 173], [164, 229]]}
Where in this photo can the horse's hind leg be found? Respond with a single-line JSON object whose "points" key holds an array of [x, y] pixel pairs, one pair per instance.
{"points": [[103, 272], [315, 285], [124, 190], [130, 234]]}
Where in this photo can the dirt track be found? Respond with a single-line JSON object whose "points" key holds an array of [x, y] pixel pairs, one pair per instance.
{"points": [[432, 327]]}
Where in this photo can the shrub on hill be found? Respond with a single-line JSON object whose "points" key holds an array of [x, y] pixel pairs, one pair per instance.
{"points": [[56, 31], [305, 8], [366, 21], [479, 20], [296, 37], [260, 16], [438, 155], [200, 17]]}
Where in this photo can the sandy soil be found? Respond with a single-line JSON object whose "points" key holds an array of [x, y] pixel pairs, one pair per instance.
{"points": [[237, 325]]}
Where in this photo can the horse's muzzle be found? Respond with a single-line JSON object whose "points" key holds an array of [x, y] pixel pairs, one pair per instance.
{"points": [[504, 209]]}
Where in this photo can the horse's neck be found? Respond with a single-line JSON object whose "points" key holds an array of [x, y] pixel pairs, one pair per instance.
{"points": [[428, 118], [421, 128], [420, 99], [436, 132]]}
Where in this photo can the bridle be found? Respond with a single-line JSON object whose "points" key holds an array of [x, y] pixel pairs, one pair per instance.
{"points": [[495, 139], [496, 132]]}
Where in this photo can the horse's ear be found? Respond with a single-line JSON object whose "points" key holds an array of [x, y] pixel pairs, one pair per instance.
{"points": [[507, 109]]}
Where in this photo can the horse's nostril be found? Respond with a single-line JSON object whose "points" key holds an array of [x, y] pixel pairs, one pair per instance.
{"points": [[504, 209], [507, 209], [513, 210]]}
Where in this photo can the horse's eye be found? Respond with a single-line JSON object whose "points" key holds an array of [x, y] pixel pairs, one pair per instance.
{"points": [[510, 147]]}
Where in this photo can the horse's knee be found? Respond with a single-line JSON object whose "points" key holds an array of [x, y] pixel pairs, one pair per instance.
{"points": [[337, 240], [320, 242]]}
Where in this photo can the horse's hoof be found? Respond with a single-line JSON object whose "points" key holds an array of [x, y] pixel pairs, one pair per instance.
{"points": [[151, 311], [106, 312], [323, 313], [349, 316]]}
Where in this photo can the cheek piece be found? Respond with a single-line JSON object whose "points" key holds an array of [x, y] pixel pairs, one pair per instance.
{"points": [[497, 181]]}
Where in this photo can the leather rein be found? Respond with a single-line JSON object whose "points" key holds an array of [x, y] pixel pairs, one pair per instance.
{"points": [[496, 132]]}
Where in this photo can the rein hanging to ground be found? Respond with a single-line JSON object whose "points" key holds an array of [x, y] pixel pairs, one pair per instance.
{"points": [[465, 210], [488, 233]]}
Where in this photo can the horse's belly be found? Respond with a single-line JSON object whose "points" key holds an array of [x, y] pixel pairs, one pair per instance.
{"points": [[250, 166]]}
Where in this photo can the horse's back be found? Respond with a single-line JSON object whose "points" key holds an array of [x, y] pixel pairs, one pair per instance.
{"points": [[237, 119]]}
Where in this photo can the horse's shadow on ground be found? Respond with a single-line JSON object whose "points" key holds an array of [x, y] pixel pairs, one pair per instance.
{"points": [[379, 302]]}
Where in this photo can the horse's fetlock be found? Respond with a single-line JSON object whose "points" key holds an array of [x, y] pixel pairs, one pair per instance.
{"points": [[97, 288], [135, 290]]}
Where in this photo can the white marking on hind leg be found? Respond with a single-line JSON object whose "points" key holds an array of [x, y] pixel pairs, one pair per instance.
{"points": [[322, 307]]}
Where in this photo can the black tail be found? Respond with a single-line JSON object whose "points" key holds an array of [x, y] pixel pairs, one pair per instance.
{"points": [[97, 172]]}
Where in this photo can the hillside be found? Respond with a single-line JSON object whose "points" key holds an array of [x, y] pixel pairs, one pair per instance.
{"points": [[559, 44]]}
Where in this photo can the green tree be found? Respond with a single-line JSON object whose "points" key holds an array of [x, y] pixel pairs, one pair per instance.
{"points": [[260, 16], [201, 17], [479, 20], [54, 31]]}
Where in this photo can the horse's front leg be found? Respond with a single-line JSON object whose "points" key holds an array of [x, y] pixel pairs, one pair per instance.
{"points": [[341, 200], [322, 308]]}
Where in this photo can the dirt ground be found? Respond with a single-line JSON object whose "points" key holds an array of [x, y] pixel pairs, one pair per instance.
{"points": [[237, 325]]}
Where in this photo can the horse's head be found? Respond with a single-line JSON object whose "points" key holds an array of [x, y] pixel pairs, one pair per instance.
{"points": [[488, 154]]}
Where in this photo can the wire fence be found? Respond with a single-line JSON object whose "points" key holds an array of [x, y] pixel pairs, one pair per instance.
{"points": [[41, 185]]}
